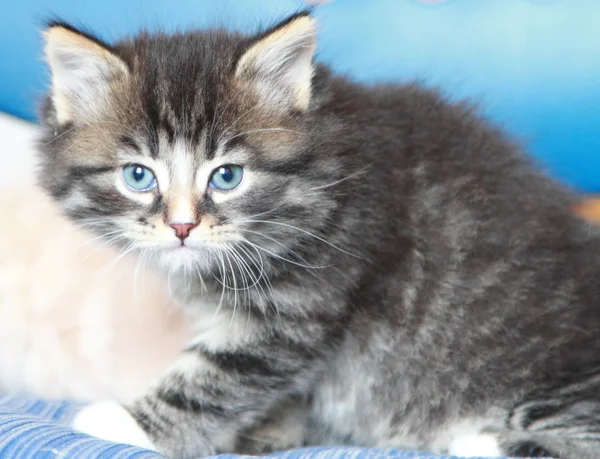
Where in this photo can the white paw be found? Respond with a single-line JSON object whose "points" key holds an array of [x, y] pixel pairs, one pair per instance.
{"points": [[110, 421], [476, 445]]}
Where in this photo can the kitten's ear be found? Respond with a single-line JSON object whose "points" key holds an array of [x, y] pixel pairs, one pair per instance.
{"points": [[82, 70], [280, 63]]}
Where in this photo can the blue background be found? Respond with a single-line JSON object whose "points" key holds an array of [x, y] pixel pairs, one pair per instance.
{"points": [[533, 66]]}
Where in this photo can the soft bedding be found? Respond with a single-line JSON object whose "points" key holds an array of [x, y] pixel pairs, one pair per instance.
{"points": [[39, 429]]}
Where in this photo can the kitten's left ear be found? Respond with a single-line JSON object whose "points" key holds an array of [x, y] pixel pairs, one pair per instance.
{"points": [[280, 64], [83, 69]]}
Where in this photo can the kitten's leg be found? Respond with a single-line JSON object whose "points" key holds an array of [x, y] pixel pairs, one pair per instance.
{"points": [[563, 424], [517, 444], [110, 421], [286, 428], [210, 396], [551, 445]]}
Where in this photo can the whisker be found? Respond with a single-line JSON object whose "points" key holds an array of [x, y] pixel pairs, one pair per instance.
{"points": [[246, 113], [105, 243], [351, 176], [225, 274], [129, 249], [292, 252], [203, 285], [235, 293], [281, 244], [245, 266], [222, 112], [305, 232], [169, 282], [79, 126], [261, 274], [94, 239], [268, 284], [230, 220], [278, 256], [222, 283], [246, 273], [90, 222], [61, 134], [253, 131], [259, 290]]}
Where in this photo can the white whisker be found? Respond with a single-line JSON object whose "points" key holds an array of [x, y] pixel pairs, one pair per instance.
{"points": [[197, 269], [244, 265], [246, 113], [252, 216], [222, 283], [104, 243], [278, 256], [169, 282], [351, 176], [235, 291], [129, 248], [94, 239], [253, 131], [292, 252], [302, 231], [281, 244], [268, 284]]}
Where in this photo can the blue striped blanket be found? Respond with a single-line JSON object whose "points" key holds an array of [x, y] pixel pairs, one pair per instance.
{"points": [[39, 429]]}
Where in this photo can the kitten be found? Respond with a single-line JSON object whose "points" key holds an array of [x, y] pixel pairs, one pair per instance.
{"points": [[71, 321], [380, 260]]}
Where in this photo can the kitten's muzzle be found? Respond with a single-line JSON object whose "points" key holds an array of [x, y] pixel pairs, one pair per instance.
{"points": [[182, 230]]}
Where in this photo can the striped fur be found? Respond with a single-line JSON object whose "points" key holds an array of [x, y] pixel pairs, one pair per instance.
{"points": [[390, 272]]}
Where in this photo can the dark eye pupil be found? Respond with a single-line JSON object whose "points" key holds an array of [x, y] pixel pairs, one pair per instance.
{"points": [[138, 174], [226, 174]]}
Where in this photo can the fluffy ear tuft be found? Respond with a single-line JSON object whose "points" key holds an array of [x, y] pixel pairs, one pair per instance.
{"points": [[82, 70], [280, 63]]}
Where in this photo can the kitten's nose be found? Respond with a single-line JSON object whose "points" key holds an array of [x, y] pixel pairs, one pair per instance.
{"points": [[182, 230]]}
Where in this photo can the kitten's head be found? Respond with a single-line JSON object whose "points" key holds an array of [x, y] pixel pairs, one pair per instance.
{"points": [[192, 144]]}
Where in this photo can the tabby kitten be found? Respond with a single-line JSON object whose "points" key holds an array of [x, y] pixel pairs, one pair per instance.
{"points": [[380, 261]]}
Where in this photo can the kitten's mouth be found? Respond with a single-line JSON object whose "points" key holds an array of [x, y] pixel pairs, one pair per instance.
{"points": [[184, 246], [180, 246]]}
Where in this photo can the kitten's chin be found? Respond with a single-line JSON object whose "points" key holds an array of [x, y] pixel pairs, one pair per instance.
{"points": [[176, 257]]}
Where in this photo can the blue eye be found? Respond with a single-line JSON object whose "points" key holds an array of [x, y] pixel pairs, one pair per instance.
{"points": [[139, 178], [226, 177]]}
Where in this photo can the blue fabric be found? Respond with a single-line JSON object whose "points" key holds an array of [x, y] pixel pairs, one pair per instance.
{"points": [[36, 429], [534, 65]]}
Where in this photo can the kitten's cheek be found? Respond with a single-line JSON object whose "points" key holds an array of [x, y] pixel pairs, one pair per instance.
{"points": [[110, 421]]}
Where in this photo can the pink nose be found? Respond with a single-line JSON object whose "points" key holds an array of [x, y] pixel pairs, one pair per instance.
{"points": [[182, 230]]}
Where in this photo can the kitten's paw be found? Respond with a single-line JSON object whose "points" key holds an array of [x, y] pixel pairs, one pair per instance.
{"points": [[110, 421], [480, 445]]}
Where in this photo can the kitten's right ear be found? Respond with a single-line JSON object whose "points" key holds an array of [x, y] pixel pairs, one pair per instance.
{"points": [[83, 69]]}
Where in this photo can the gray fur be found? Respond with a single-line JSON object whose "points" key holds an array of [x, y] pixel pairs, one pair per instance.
{"points": [[414, 271]]}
